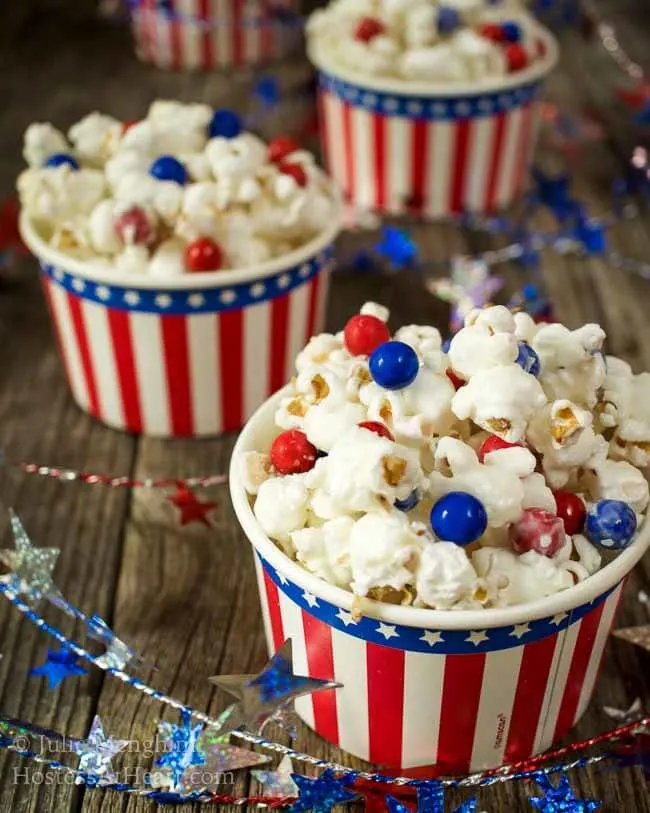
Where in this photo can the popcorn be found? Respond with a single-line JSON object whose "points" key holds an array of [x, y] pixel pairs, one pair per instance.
{"points": [[445, 578], [562, 434], [427, 343], [254, 469], [281, 507], [619, 480], [56, 194], [42, 141], [512, 579], [572, 365], [500, 399], [363, 515], [225, 189], [325, 550], [384, 551], [95, 138], [477, 347], [499, 489], [365, 472], [409, 43]]}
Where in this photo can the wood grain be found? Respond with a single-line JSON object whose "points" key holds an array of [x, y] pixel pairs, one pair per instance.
{"points": [[185, 598]]}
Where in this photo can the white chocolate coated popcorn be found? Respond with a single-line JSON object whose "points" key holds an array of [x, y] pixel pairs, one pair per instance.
{"points": [[226, 190], [409, 42], [363, 514], [445, 577], [384, 550], [501, 400]]}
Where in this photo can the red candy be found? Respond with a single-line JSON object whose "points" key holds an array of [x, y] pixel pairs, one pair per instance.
{"points": [[203, 255], [516, 57], [537, 530], [292, 453], [133, 226], [494, 444], [368, 28], [378, 429], [296, 171], [280, 147], [126, 126], [492, 31], [571, 510], [364, 334], [455, 380]]}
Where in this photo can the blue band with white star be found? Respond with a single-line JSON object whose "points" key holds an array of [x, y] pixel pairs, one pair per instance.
{"points": [[189, 300], [440, 108], [417, 639]]}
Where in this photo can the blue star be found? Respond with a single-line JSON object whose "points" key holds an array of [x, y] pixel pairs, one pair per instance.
{"points": [[643, 116], [431, 799], [59, 665], [181, 749], [267, 90], [591, 233], [553, 191], [398, 248], [261, 696], [320, 795], [560, 799]]}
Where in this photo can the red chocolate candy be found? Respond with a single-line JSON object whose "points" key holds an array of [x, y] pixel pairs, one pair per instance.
{"points": [[203, 255], [296, 171], [516, 57], [571, 510], [292, 453], [378, 429], [363, 334], [494, 444], [368, 28], [281, 147], [455, 380]]}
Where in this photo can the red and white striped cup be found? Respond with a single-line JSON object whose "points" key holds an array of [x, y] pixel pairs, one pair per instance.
{"points": [[204, 35], [190, 356], [426, 149], [462, 691]]}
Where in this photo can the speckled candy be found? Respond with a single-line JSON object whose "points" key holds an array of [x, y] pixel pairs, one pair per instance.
{"points": [[538, 530], [610, 524]]}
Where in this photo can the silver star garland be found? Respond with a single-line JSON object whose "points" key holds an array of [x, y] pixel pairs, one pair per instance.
{"points": [[31, 568]]}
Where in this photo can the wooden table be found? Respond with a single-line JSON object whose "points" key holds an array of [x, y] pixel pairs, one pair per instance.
{"points": [[185, 598]]}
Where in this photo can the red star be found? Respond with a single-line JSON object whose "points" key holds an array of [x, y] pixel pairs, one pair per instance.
{"points": [[191, 508], [637, 97]]}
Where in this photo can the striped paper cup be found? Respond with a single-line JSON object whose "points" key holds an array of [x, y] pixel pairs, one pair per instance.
{"points": [[203, 35], [461, 691], [430, 150], [189, 356]]}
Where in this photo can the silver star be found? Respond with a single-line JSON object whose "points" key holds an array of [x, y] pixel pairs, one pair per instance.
{"points": [[278, 783], [31, 568], [260, 696], [96, 752]]}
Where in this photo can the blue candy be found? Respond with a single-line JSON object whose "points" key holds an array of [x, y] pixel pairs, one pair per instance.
{"points": [[511, 31], [528, 359], [59, 159], [225, 123], [459, 517], [394, 365], [448, 20], [610, 524], [410, 502], [168, 168], [446, 344]]}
